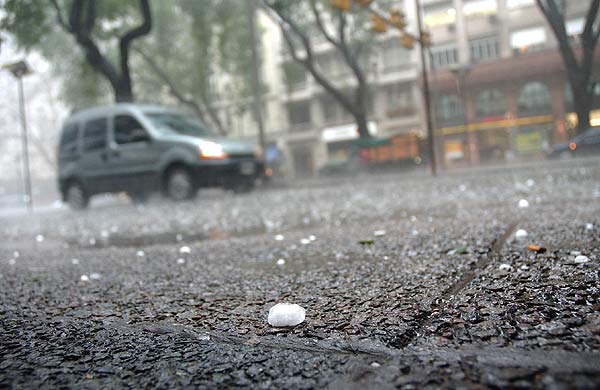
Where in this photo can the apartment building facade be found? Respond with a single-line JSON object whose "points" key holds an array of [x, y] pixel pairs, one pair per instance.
{"points": [[499, 89]]}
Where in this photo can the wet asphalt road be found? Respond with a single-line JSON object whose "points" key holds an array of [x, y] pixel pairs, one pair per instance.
{"points": [[443, 295]]}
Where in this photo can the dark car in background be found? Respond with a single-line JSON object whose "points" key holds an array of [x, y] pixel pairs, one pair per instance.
{"points": [[141, 148], [585, 144]]}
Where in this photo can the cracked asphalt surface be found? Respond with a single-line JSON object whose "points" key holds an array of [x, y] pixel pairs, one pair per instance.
{"points": [[408, 282]]}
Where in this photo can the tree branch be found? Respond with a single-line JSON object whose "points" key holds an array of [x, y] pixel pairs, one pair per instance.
{"points": [[130, 36], [59, 16], [321, 25]]}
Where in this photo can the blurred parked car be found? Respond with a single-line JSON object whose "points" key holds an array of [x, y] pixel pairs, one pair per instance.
{"points": [[140, 149], [586, 143]]}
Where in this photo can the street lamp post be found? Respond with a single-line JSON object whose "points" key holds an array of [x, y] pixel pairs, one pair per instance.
{"points": [[426, 95], [19, 70], [251, 7], [460, 74]]}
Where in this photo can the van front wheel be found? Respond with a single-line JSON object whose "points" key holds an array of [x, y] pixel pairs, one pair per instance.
{"points": [[76, 196], [180, 185]]}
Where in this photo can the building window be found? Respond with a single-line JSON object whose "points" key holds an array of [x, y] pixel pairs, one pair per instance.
{"points": [[480, 7], [444, 56], [299, 113], [534, 97], [295, 75], [333, 112], [400, 101], [394, 55], [574, 26], [490, 102], [449, 108], [530, 39], [333, 65], [483, 49]]}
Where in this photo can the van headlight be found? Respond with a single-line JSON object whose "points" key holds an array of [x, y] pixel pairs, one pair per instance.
{"points": [[211, 151]]}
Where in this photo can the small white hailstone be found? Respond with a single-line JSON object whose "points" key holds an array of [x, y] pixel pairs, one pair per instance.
{"points": [[286, 314], [185, 250], [204, 337], [386, 257], [530, 182], [312, 238], [92, 241], [413, 218], [178, 237], [84, 278], [74, 261], [12, 261], [575, 253], [379, 233], [180, 260], [462, 188], [589, 226], [524, 267], [114, 229], [279, 237], [520, 234], [505, 269], [140, 253], [280, 262], [339, 255], [375, 365], [582, 259], [305, 241], [95, 276], [104, 234], [39, 238], [415, 232], [16, 254], [523, 203]]}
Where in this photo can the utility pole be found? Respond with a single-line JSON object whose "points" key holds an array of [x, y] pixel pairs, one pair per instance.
{"points": [[426, 97], [251, 7], [19, 70]]}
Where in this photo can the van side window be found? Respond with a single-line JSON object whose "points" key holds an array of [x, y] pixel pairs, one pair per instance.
{"points": [[68, 141], [126, 129], [94, 134]]}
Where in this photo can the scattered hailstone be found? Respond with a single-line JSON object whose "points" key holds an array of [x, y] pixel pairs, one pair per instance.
{"points": [[279, 237], [312, 238], [114, 229], [462, 188], [379, 233], [178, 237], [582, 259], [530, 182], [505, 269], [286, 314], [104, 234], [84, 278], [204, 337], [185, 249], [92, 241], [524, 267], [413, 218], [520, 234], [415, 232], [523, 203], [589, 226], [95, 276], [305, 241], [39, 238], [180, 261], [74, 261], [375, 365], [16, 254], [12, 261], [280, 262], [140, 253]]}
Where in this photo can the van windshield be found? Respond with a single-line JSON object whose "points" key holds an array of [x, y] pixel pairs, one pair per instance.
{"points": [[169, 122]]}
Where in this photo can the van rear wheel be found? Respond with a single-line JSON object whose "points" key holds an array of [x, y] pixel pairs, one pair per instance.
{"points": [[179, 185], [76, 196]]}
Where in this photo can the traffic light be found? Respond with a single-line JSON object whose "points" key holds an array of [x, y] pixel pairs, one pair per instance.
{"points": [[397, 19], [378, 24], [342, 5], [407, 41]]}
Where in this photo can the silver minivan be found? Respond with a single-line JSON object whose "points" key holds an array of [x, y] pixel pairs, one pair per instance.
{"points": [[140, 149]]}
